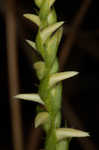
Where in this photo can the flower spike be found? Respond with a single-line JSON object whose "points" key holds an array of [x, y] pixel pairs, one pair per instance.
{"points": [[46, 65]]}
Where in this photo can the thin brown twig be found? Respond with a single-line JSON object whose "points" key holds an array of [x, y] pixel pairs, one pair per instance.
{"points": [[10, 20], [68, 43], [34, 139]]}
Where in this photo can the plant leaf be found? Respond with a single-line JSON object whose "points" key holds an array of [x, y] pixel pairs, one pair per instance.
{"points": [[30, 97], [57, 77], [62, 133], [41, 118], [34, 18]]}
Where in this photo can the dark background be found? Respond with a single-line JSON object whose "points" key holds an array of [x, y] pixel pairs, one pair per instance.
{"points": [[81, 91]]}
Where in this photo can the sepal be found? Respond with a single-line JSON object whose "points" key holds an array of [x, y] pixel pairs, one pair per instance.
{"points": [[52, 46], [41, 119], [40, 46], [40, 69], [51, 2], [60, 33], [57, 77], [30, 97], [34, 18], [45, 9], [45, 33], [52, 18], [55, 67], [38, 2], [63, 145], [32, 44], [63, 133]]}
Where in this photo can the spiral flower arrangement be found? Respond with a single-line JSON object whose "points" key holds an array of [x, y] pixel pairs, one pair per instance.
{"points": [[50, 88]]}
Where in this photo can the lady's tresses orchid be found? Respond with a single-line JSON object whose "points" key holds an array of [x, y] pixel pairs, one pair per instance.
{"points": [[50, 89]]}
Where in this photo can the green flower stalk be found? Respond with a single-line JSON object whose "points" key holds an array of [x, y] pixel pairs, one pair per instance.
{"points": [[50, 89]]}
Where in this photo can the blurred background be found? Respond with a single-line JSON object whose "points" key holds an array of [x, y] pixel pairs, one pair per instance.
{"points": [[79, 51]]}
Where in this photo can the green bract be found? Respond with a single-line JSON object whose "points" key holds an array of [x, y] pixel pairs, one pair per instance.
{"points": [[50, 89]]}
